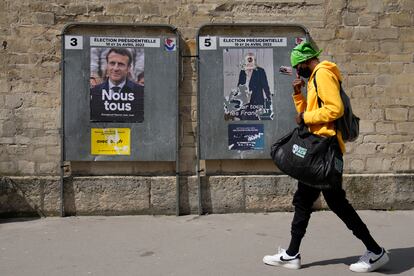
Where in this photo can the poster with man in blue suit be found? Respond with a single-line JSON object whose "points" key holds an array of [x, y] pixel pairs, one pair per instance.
{"points": [[248, 89], [116, 93]]}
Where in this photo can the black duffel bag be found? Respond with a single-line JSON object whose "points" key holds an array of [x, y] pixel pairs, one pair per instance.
{"points": [[312, 159]]}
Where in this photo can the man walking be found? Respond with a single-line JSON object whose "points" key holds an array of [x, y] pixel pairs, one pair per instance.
{"points": [[320, 118]]}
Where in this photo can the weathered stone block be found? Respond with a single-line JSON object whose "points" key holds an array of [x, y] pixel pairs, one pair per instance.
{"points": [[8, 129], [29, 196], [399, 138], [48, 168], [350, 19], [323, 34], [407, 127], [355, 165], [163, 195], [366, 126], [359, 191], [378, 164], [78, 9], [25, 167], [122, 8], [374, 6], [401, 19], [404, 189], [107, 195], [44, 18], [401, 57], [361, 79], [396, 148], [7, 167], [356, 4], [384, 33], [407, 5], [387, 128], [391, 47], [368, 20], [411, 114], [14, 101], [401, 164], [150, 8], [227, 194], [269, 193], [396, 114], [366, 149]]}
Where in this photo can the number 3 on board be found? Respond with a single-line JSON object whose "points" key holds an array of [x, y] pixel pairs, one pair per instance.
{"points": [[73, 42]]}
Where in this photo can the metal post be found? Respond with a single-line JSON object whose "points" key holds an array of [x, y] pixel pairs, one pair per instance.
{"points": [[200, 205], [62, 127], [177, 134]]}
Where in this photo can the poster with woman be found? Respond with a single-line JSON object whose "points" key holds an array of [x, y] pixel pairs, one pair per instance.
{"points": [[248, 84]]}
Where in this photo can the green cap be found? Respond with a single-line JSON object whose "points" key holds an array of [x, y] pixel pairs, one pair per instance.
{"points": [[303, 52]]}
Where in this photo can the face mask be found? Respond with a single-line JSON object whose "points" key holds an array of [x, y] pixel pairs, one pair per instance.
{"points": [[304, 72]]}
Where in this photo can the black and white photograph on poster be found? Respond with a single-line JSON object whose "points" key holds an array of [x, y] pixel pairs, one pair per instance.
{"points": [[248, 84], [246, 137], [117, 84]]}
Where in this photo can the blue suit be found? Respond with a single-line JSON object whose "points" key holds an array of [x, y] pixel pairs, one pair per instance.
{"points": [[258, 84]]}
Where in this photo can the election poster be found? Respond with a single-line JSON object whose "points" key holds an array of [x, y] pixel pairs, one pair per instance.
{"points": [[248, 83], [117, 78], [110, 141], [246, 137]]}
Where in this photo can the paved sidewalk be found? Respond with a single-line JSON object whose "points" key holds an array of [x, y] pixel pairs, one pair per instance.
{"points": [[231, 244]]}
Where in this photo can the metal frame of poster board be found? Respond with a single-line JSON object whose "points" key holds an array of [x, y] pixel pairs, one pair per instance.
{"points": [[246, 111], [165, 40]]}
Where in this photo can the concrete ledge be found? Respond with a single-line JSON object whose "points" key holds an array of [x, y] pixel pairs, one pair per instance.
{"points": [[122, 195]]}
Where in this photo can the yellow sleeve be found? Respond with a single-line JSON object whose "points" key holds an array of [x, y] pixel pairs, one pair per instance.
{"points": [[328, 90], [300, 102]]}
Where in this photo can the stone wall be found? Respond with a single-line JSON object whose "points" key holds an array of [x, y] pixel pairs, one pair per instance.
{"points": [[40, 196], [371, 40]]}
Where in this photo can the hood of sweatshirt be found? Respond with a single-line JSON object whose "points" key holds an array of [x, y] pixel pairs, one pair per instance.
{"points": [[330, 66]]}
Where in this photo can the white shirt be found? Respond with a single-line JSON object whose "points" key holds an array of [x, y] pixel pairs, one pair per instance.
{"points": [[121, 85]]}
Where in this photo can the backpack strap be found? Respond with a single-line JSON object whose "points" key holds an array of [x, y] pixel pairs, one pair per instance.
{"points": [[320, 102]]}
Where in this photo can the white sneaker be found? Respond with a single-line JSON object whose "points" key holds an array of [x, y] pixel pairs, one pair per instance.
{"points": [[283, 259], [370, 262]]}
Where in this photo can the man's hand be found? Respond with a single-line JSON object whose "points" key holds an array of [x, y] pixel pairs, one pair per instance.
{"points": [[297, 84], [299, 118]]}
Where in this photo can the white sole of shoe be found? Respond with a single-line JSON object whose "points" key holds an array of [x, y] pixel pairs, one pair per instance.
{"points": [[285, 265]]}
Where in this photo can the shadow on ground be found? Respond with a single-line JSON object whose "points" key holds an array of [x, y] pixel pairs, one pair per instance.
{"points": [[401, 260]]}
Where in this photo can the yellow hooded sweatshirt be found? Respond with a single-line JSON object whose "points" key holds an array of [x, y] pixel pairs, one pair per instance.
{"points": [[321, 120]]}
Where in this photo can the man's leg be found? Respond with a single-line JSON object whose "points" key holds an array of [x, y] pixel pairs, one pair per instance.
{"points": [[303, 201], [337, 202], [375, 256]]}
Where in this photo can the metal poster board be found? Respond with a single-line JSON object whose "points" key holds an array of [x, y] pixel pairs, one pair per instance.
{"points": [[112, 111], [245, 90]]}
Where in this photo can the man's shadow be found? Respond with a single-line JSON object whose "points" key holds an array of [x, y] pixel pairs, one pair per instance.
{"points": [[401, 260]]}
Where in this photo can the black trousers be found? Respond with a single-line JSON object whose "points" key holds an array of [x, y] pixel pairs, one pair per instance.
{"points": [[303, 200]]}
